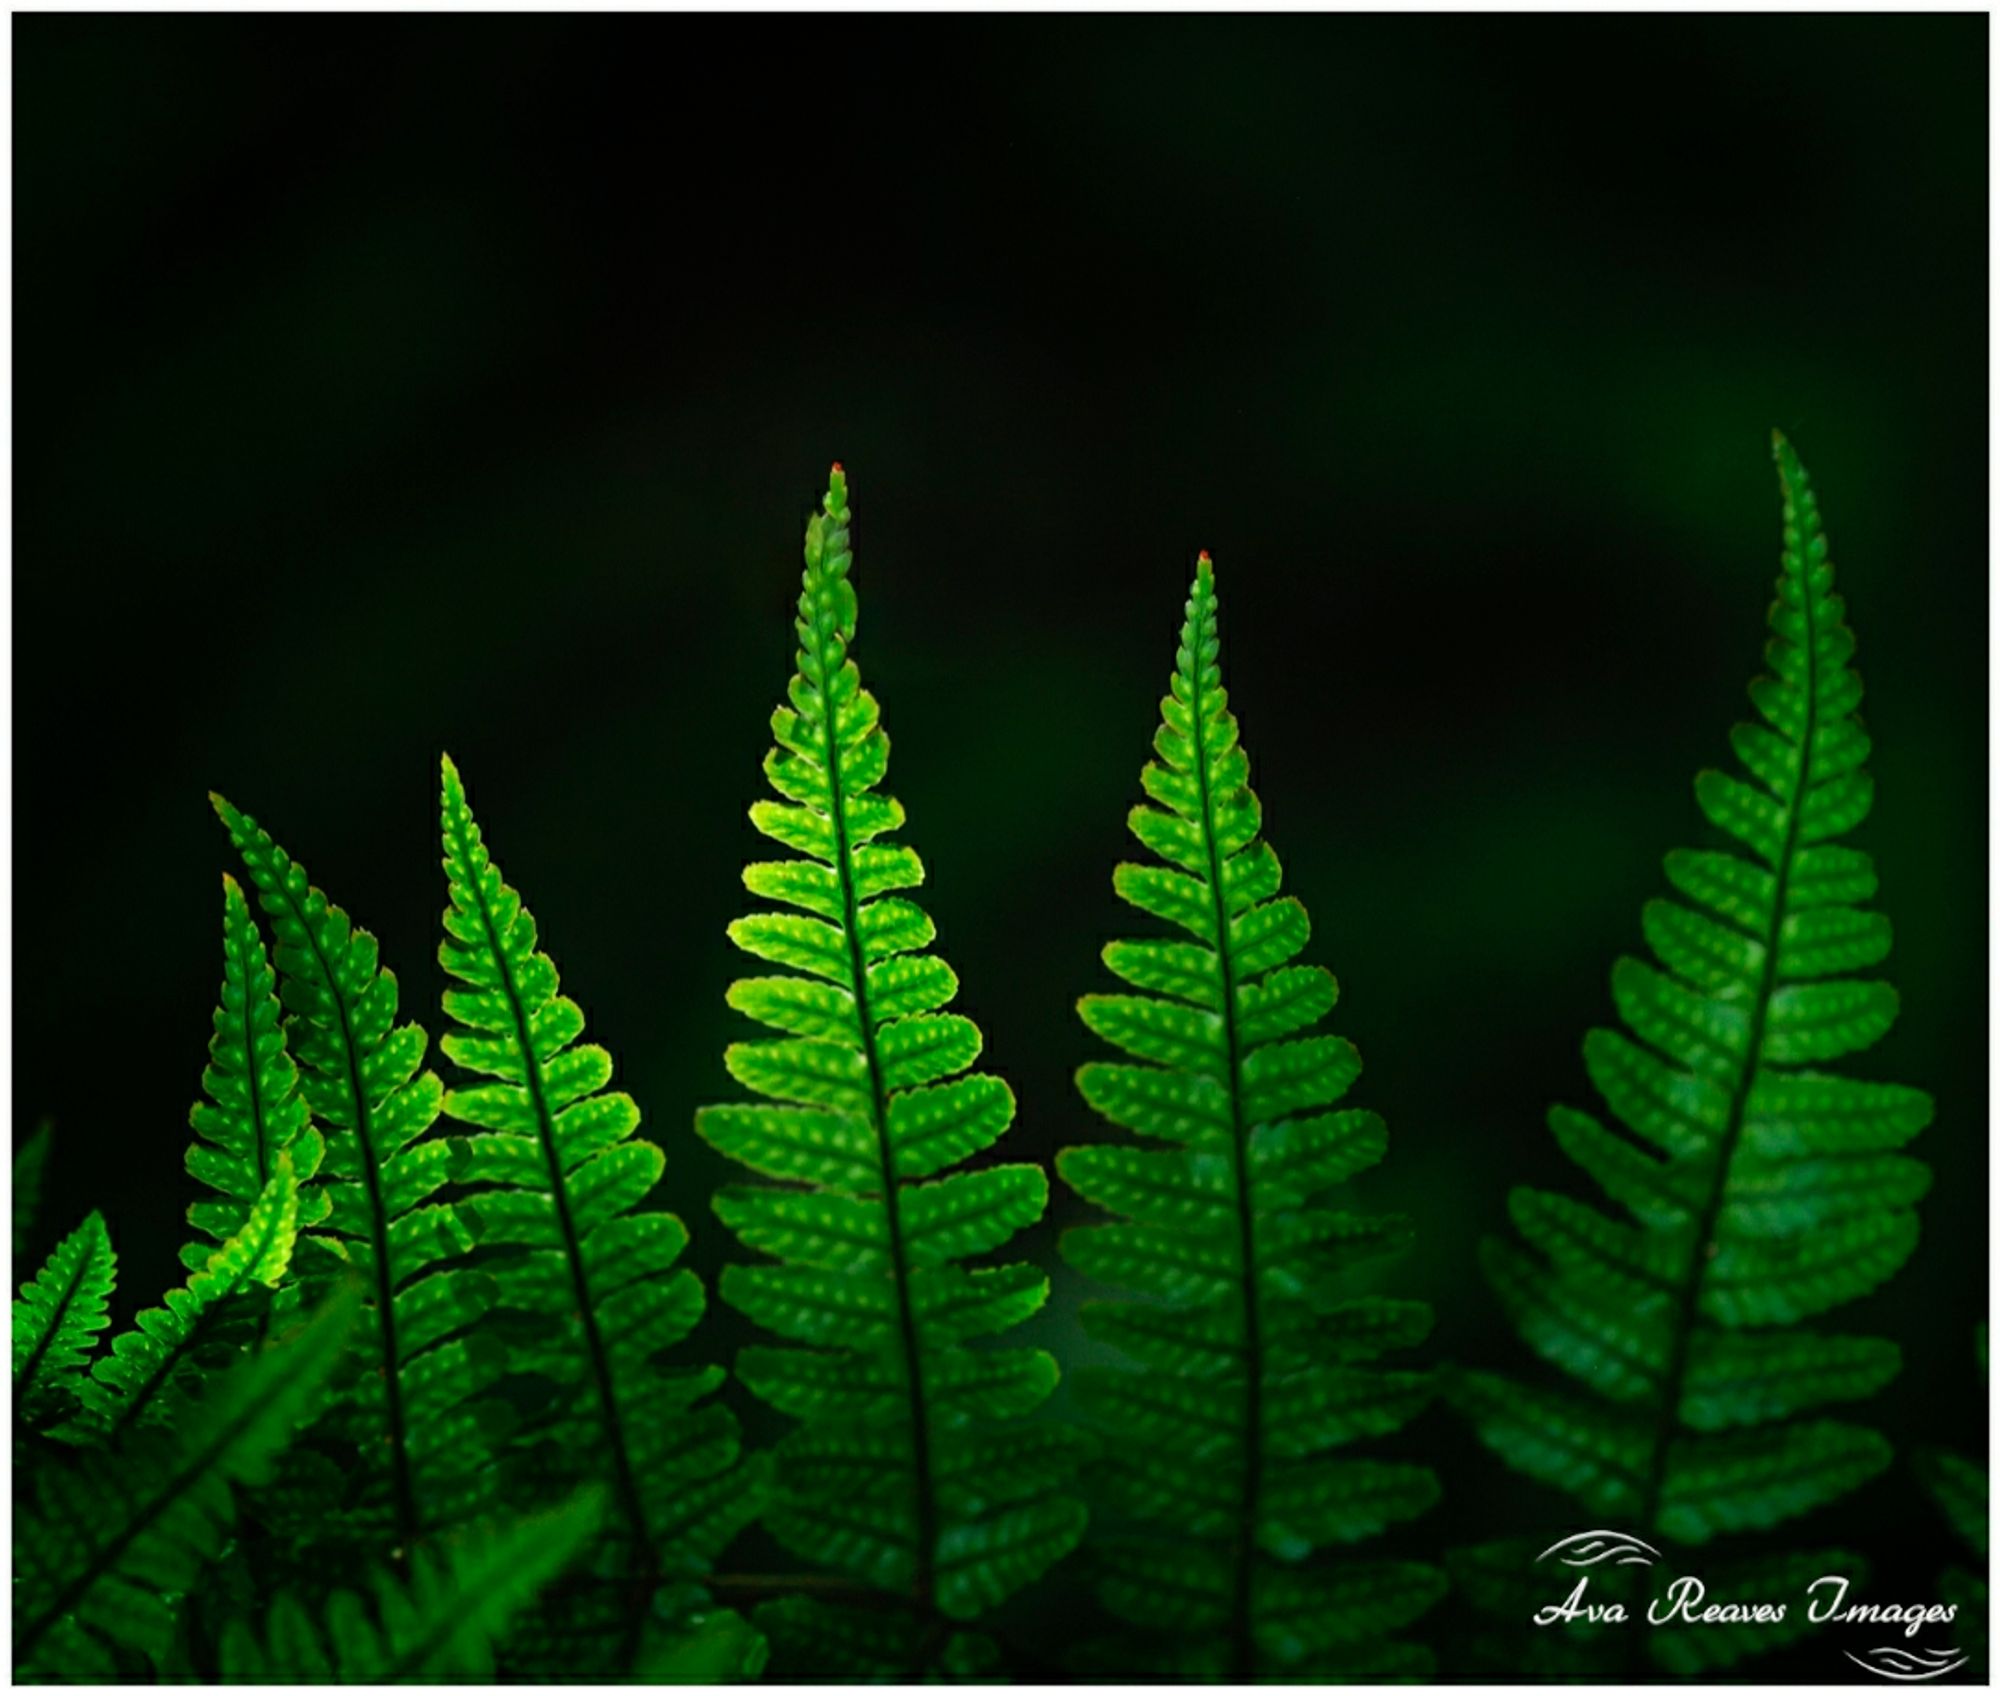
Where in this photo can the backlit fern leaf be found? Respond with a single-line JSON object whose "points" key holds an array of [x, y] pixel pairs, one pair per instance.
{"points": [[403, 1404], [560, 1178], [1225, 1442], [107, 1542], [56, 1320], [254, 1110], [1762, 1190], [910, 1470]]}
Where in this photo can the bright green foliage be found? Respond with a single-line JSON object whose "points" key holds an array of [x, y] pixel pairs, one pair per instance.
{"points": [[109, 1542], [254, 1110], [56, 1320], [911, 1470], [1761, 1190], [438, 1624], [722, 1648], [1227, 1441], [217, 1312], [31, 1160], [404, 1402], [590, 1276]]}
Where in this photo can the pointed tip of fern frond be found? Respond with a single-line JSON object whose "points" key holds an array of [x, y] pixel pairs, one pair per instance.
{"points": [[836, 491], [454, 785]]}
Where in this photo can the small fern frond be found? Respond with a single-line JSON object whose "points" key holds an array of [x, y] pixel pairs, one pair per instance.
{"points": [[31, 1162], [1761, 1190], [590, 1278], [1251, 1350], [57, 1317], [1961, 1489], [254, 1110], [910, 1470], [361, 1074], [220, 1310], [438, 1623], [108, 1544]]}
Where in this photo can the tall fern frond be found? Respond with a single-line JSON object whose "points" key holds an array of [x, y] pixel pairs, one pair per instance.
{"points": [[57, 1317], [31, 1162], [1762, 1191], [561, 1178], [437, 1624], [219, 1311], [254, 1111], [361, 1074], [910, 1470], [1250, 1348], [105, 1547]]}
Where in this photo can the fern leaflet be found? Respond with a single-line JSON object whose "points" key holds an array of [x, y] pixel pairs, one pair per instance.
{"points": [[1762, 1191], [561, 1177], [910, 1471], [56, 1320], [108, 1544], [404, 1402], [1250, 1349]]}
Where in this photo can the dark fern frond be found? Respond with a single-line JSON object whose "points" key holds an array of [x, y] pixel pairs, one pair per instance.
{"points": [[57, 1317], [254, 1110], [910, 1471], [1960, 1487], [107, 1542], [404, 1402], [31, 1162], [1250, 1350], [438, 1623], [590, 1276], [1761, 1191]]}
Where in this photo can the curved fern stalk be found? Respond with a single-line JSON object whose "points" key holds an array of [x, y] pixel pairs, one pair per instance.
{"points": [[106, 1547], [1762, 1190], [404, 1401], [254, 1111], [31, 1161], [561, 1177], [56, 1320], [218, 1311], [1250, 1350], [437, 1624], [910, 1471]]}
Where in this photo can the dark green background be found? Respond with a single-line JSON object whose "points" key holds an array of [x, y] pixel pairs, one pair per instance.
{"points": [[387, 385]]}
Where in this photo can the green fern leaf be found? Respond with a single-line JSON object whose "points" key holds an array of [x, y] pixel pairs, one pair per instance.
{"points": [[437, 1624], [56, 1320], [254, 1110], [417, 1367], [31, 1161], [1762, 1190], [217, 1312], [107, 1545], [559, 1180], [910, 1471], [1250, 1348]]}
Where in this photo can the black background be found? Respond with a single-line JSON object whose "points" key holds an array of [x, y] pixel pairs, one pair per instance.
{"points": [[390, 385]]}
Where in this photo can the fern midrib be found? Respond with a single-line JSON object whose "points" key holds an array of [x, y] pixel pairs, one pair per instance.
{"points": [[32, 1366], [600, 1361], [253, 1084], [1243, 1648], [1674, 1384], [105, 1558], [924, 1580], [385, 1283]]}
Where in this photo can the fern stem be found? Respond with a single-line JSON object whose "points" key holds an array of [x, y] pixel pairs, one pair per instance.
{"points": [[1688, 1299], [924, 1580], [1243, 1651], [630, 1501]]}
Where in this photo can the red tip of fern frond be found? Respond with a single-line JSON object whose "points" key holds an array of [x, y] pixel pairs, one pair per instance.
{"points": [[839, 470], [1203, 557]]}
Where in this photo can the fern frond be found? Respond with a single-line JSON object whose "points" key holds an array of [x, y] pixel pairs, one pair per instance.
{"points": [[560, 1181], [1961, 1489], [437, 1624], [910, 1470], [217, 1312], [106, 1546], [31, 1161], [56, 1320], [254, 1111], [361, 1074], [1761, 1189], [1250, 1352]]}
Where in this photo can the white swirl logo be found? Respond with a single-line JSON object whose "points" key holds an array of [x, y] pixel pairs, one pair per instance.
{"points": [[1909, 1666], [1596, 1548]]}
